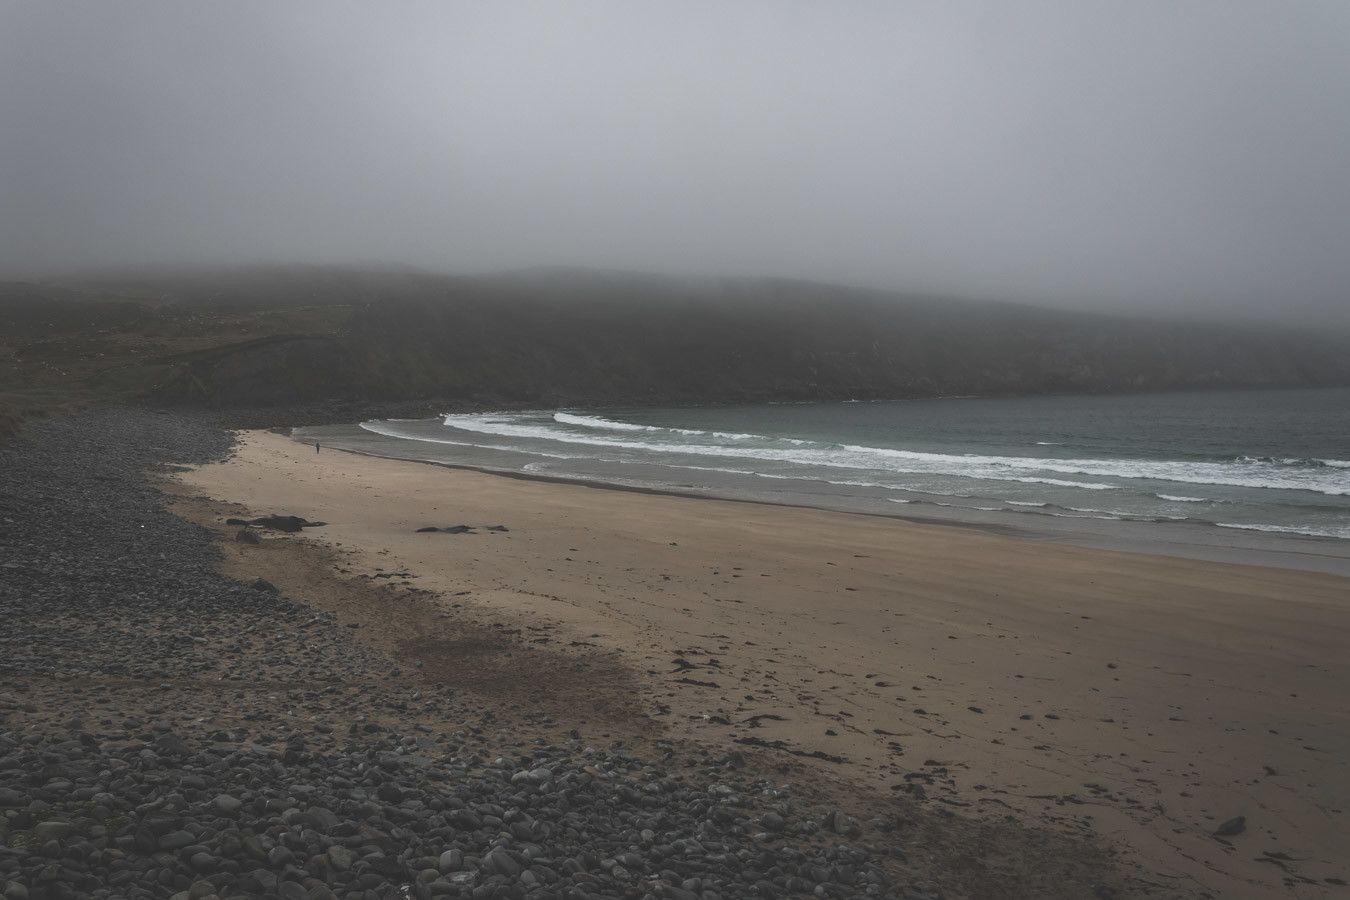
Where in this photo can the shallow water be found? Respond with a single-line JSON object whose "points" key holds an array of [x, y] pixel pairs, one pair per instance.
{"points": [[1257, 470], [1275, 461]]}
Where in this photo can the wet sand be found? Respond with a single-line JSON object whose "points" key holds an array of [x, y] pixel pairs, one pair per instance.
{"points": [[1142, 698]]}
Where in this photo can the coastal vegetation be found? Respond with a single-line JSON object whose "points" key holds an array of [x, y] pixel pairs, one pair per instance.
{"points": [[296, 336]]}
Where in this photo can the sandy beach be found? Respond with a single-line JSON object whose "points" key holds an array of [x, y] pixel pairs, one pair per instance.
{"points": [[1142, 699]]}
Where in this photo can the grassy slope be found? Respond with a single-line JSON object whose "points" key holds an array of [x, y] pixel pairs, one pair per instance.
{"points": [[287, 336]]}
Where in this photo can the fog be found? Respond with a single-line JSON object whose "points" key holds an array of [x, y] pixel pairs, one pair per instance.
{"points": [[1189, 157]]}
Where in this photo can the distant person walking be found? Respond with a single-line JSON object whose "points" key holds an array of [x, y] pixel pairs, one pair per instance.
{"points": [[316, 446]]}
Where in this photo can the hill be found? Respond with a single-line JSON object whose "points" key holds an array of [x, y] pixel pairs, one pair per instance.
{"points": [[286, 336]]}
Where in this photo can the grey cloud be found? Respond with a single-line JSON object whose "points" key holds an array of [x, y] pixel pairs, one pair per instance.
{"points": [[1187, 157]]}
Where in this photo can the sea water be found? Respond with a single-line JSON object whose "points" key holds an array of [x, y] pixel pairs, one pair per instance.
{"points": [[1262, 461]]}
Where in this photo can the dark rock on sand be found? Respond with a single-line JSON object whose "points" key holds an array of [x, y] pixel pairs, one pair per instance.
{"points": [[1235, 825], [285, 523]]}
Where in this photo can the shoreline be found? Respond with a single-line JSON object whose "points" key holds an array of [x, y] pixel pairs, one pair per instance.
{"points": [[660, 491], [1011, 667], [1196, 540]]}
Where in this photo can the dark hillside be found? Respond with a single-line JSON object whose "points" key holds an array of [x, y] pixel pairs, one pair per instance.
{"points": [[302, 335]]}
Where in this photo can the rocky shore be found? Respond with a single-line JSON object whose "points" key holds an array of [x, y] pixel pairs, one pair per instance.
{"points": [[166, 731]]}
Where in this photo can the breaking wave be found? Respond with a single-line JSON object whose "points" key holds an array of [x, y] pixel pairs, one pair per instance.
{"points": [[1334, 531], [1329, 477], [1282, 494]]}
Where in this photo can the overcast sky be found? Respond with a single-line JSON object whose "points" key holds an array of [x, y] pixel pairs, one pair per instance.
{"points": [[1183, 155]]}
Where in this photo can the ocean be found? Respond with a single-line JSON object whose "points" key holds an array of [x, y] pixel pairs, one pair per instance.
{"points": [[1274, 462]]}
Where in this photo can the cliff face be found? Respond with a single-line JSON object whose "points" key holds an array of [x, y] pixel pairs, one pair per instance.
{"points": [[574, 338]]}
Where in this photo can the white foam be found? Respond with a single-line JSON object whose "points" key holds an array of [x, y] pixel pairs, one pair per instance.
{"points": [[597, 422], [1251, 473], [1178, 499], [1060, 482], [1108, 518], [1333, 531], [847, 456], [1272, 474], [377, 427]]}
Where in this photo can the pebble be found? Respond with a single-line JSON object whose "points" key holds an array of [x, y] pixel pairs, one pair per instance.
{"points": [[113, 588]]}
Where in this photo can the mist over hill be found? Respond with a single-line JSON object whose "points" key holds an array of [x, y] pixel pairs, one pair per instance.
{"points": [[278, 336]]}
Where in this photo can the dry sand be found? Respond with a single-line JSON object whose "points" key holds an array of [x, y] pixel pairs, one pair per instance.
{"points": [[1144, 699]]}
